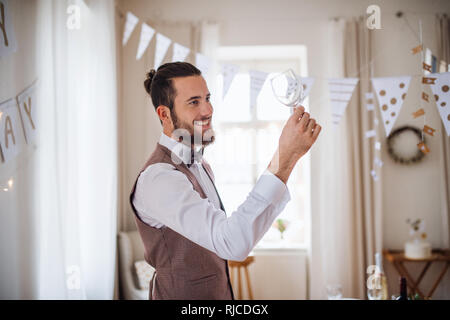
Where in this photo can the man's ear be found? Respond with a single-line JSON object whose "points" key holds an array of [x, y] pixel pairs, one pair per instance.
{"points": [[163, 113]]}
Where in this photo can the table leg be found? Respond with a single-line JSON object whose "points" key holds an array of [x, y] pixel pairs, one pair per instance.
{"points": [[411, 283], [439, 279], [422, 274]]}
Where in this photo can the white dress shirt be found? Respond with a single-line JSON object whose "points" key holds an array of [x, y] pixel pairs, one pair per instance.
{"points": [[165, 197]]}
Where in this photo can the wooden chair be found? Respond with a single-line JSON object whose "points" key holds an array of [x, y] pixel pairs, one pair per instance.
{"points": [[241, 265]]}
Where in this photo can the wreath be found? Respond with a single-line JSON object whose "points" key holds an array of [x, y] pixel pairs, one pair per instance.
{"points": [[399, 158]]}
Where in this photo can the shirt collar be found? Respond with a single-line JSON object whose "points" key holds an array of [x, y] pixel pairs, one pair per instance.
{"points": [[181, 150]]}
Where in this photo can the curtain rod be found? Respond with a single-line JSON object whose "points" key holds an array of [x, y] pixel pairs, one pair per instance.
{"points": [[398, 14]]}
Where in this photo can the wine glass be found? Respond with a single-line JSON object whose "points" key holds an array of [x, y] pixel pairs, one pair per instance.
{"points": [[287, 88], [375, 293], [334, 291]]}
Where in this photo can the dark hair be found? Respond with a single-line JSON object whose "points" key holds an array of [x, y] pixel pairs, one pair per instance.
{"points": [[159, 83]]}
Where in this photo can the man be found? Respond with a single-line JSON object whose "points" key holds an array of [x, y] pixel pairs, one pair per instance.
{"points": [[180, 217]]}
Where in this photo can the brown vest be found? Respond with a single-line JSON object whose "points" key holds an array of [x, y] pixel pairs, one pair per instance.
{"points": [[184, 270]]}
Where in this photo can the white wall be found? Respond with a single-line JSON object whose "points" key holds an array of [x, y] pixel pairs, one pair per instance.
{"points": [[409, 191], [18, 206]]}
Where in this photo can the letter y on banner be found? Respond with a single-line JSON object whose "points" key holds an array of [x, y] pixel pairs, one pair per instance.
{"points": [[28, 112]]}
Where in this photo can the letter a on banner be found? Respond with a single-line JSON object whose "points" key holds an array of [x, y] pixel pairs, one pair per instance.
{"points": [[10, 134], [147, 34], [257, 79], [391, 92], [130, 24], [229, 71], [341, 91], [441, 91]]}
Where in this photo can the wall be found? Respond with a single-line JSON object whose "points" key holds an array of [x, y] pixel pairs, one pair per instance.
{"points": [[408, 191], [18, 206]]}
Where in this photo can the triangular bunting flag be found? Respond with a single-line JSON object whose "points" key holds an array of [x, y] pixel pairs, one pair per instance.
{"points": [[341, 91], [27, 103], [10, 139], [391, 92], [162, 45], [179, 52], [307, 84], [203, 63], [229, 71], [257, 79], [441, 91], [130, 24], [147, 34]]}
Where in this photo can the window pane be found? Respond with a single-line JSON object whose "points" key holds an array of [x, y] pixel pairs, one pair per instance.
{"points": [[233, 195], [232, 155]]}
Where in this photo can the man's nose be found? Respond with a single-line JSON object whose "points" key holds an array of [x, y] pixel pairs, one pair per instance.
{"points": [[207, 110]]}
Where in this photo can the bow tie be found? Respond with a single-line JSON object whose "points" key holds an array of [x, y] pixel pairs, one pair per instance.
{"points": [[195, 156]]}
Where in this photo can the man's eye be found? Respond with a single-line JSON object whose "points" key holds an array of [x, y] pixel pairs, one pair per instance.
{"points": [[208, 98], [195, 102]]}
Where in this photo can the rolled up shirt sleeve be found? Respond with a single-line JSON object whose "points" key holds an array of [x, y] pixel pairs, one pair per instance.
{"points": [[167, 196]]}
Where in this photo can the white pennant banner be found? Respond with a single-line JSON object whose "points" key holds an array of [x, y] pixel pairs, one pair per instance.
{"points": [[130, 24], [203, 63], [307, 84], [162, 45], [341, 91], [179, 52], [147, 34], [10, 135], [257, 79], [441, 91], [229, 71], [391, 93], [28, 112]]}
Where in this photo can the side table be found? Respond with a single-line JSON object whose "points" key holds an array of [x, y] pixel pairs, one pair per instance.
{"points": [[398, 258]]}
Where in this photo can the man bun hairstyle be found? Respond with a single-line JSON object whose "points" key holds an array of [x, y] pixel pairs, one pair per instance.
{"points": [[159, 83]]}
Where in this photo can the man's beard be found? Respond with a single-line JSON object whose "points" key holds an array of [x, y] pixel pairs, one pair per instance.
{"points": [[196, 138]]}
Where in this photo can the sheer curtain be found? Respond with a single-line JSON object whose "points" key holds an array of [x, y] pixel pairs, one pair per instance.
{"points": [[346, 217], [78, 151]]}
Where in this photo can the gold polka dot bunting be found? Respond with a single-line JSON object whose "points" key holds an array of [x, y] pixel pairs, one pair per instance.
{"points": [[391, 93], [441, 92]]}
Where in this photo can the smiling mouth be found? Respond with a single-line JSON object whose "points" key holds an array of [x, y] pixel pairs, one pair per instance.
{"points": [[202, 123]]}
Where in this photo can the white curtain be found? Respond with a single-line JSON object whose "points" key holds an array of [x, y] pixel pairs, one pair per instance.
{"points": [[345, 202], [78, 151]]}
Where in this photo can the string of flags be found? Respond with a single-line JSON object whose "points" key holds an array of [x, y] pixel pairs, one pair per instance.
{"points": [[18, 123], [390, 92]]}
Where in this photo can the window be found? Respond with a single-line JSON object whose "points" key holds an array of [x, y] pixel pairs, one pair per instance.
{"points": [[246, 138]]}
